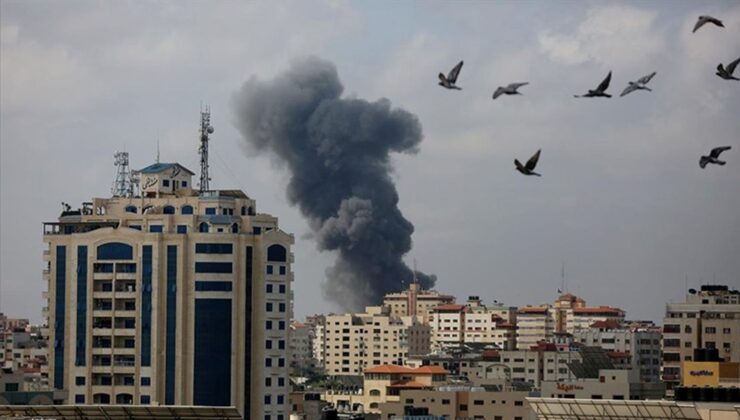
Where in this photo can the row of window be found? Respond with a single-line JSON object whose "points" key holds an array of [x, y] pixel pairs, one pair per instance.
{"points": [[280, 362], [188, 209], [280, 344], [269, 307], [269, 323], [120, 399], [269, 288]]}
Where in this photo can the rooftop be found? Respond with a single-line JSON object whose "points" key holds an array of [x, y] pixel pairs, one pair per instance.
{"points": [[161, 167], [395, 369]]}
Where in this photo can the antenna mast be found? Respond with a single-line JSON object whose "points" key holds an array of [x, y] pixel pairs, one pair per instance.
{"points": [[122, 186], [205, 130]]}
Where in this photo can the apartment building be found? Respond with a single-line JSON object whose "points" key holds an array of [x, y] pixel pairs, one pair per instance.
{"points": [[640, 346], [172, 296], [301, 346], [567, 314], [473, 323], [415, 302], [354, 342], [709, 318]]}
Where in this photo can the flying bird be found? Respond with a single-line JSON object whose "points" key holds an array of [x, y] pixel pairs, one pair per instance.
{"points": [[714, 157], [726, 72], [449, 81], [707, 19], [638, 85], [528, 169], [511, 89], [600, 90]]}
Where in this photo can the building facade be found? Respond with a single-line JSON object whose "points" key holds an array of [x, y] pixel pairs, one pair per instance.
{"points": [[708, 319], [415, 302], [172, 297]]}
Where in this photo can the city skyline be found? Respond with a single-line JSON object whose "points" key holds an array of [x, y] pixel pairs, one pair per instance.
{"points": [[622, 201]]}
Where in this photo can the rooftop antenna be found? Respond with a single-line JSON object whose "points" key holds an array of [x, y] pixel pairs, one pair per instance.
{"points": [[157, 149], [416, 280], [205, 130], [122, 186]]}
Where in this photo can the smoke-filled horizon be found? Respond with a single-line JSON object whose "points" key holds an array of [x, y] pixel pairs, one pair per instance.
{"points": [[337, 151]]}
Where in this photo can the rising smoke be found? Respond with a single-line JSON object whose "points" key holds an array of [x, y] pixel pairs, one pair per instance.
{"points": [[337, 151]]}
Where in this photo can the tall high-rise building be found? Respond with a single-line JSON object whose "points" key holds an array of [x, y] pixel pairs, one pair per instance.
{"points": [[171, 297], [415, 302], [709, 319]]}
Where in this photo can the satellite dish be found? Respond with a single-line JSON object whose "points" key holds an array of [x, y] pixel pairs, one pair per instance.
{"points": [[210, 129], [692, 291]]}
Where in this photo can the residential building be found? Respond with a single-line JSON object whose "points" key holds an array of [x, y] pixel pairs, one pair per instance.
{"points": [[473, 323], [459, 402], [171, 297], [415, 302], [709, 318], [639, 345], [354, 342], [383, 384], [301, 346], [567, 314]]}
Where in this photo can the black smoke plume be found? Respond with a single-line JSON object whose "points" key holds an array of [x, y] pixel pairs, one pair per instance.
{"points": [[337, 151]]}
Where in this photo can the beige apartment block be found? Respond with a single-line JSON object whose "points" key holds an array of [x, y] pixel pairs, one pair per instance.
{"points": [[172, 297], [461, 402], [356, 342], [709, 318], [567, 314], [473, 323], [415, 302], [382, 384]]}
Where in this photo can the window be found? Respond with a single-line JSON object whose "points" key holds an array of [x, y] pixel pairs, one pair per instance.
{"points": [[281, 362], [213, 267], [145, 399], [281, 307], [168, 210], [518, 403], [115, 251], [146, 381], [184, 184], [79, 380], [268, 362], [131, 209], [281, 325], [210, 210], [256, 230], [280, 399], [224, 248], [710, 345], [281, 288], [186, 209], [282, 270], [281, 344], [726, 330], [79, 398], [137, 227], [281, 381], [268, 344], [478, 402], [710, 330], [155, 228], [268, 400], [268, 325], [268, 381], [165, 182], [671, 342], [234, 228], [269, 269], [268, 306], [182, 229], [445, 402], [276, 253], [213, 286], [203, 227], [268, 288]]}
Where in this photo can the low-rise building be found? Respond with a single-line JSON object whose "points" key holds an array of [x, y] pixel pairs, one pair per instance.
{"points": [[454, 325]]}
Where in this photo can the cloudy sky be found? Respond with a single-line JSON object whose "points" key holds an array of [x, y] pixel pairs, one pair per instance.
{"points": [[622, 201]]}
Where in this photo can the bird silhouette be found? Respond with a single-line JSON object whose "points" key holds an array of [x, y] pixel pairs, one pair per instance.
{"points": [[713, 157], [528, 169], [510, 89], [707, 19], [600, 90], [449, 81], [638, 85], [726, 72]]}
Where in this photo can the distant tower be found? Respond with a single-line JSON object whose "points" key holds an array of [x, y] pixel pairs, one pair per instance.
{"points": [[205, 130], [122, 186]]}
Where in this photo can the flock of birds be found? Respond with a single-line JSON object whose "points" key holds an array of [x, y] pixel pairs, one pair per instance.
{"points": [[725, 72]]}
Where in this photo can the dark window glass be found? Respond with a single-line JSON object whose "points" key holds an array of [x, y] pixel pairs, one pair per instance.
{"points": [[131, 209], [281, 288], [213, 267], [212, 359], [281, 344], [137, 227], [115, 251], [256, 230], [171, 323], [282, 270], [213, 286], [203, 227], [146, 305], [213, 249], [165, 182], [59, 315], [182, 229], [79, 398], [210, 210], [268, 288], [155, 228], [146, 399], [269, 269], [79, 380], [82, 307], [186, 209], [146, 381], [168, 210], [276, 253], [268, 306]]}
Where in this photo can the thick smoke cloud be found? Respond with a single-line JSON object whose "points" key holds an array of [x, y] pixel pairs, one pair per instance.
{"points": [[337, 151]]}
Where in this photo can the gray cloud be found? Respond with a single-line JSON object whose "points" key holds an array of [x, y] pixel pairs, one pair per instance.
{"points": [[338, 154]]}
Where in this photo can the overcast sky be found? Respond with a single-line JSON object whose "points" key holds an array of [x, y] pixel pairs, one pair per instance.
{"points": [[622, 201]]}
